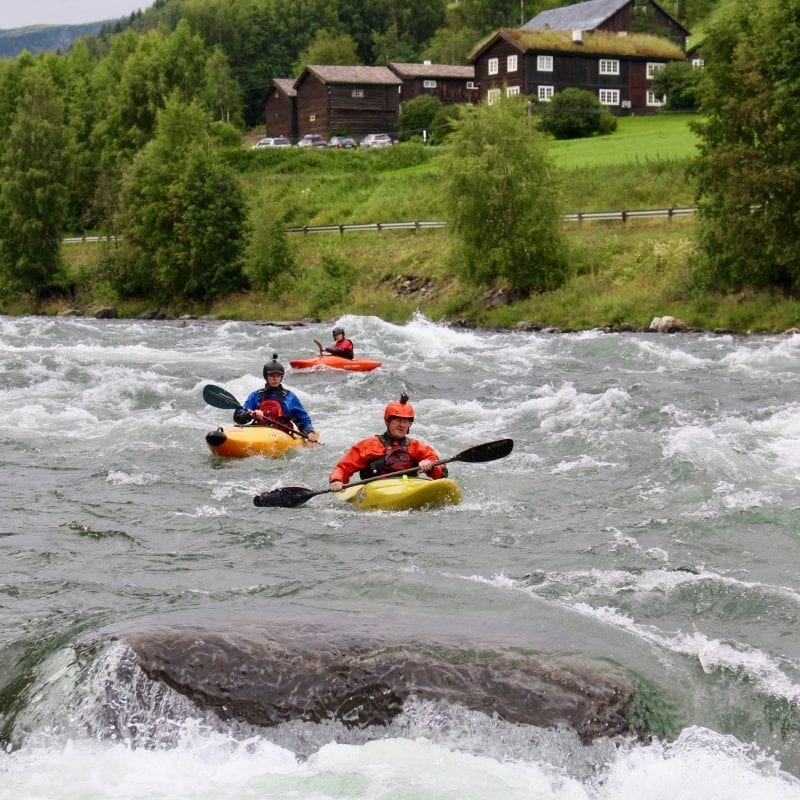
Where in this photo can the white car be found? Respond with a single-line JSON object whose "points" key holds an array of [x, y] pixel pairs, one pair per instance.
{"points": [[377, 140], [272, 141]]}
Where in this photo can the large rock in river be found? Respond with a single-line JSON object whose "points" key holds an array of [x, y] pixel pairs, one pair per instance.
{"points": [[269, 673]]}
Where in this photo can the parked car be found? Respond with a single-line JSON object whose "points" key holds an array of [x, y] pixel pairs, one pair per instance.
{"points": [[343, 142], [272, 141], [377, 140], [313, 140]]}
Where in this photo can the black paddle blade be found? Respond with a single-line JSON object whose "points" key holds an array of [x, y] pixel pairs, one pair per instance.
{"points": [[286, 497], [218, 397], [486, 452]]}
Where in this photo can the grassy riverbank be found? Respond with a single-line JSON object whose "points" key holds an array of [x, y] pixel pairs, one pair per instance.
{"points": [[622, 274]]}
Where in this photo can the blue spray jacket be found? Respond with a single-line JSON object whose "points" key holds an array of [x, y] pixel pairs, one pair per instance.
{"points": [[293, 409]]}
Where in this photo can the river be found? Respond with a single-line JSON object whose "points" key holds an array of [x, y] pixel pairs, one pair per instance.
{"points": [[647, 521]]}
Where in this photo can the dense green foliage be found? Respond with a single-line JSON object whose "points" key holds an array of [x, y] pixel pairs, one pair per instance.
{"points": [[502, 201], [417, 116], [182, 215], [34, 186], [679, 83], [749, 167], [574, 114]]}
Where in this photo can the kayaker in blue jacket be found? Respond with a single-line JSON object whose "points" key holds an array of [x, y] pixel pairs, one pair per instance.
{"points": [[275, 404]]}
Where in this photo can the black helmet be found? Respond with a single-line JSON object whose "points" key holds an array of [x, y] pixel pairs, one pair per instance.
{"points": [[337, 329], [274, 366]]}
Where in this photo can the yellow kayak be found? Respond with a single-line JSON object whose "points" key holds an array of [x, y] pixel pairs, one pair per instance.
{"points": [[237, 441], [401, 494]]}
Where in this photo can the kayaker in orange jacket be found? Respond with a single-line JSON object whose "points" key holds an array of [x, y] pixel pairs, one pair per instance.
{"points": [[388, 452]]}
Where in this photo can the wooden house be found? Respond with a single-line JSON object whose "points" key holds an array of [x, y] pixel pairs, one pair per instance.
{"points": [[619, 70], [447, 82], [357, 100], [614, 16], [280, 109]]}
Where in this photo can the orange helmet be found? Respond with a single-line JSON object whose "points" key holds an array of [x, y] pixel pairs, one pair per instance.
{"points": [[402, 409]]}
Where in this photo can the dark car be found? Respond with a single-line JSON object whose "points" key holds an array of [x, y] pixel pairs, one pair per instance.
{"points": [[313, 140], [377, 140], [343, 142]]}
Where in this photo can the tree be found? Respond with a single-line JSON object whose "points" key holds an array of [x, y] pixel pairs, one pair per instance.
{"points": [[679, 83], [416, 115], [326, 48], [502, 200], [748, 170], [574, 114], [182, 215], [270, 260], [34, 176]]}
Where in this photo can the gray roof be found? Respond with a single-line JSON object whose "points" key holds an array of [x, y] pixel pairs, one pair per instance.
{"points": [[405, 70], [580, 16], [335, 74], [286, 85]]}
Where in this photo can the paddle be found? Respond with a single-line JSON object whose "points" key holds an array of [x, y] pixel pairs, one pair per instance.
{"points": [[318, 343], [293, 496], [221, 398]]}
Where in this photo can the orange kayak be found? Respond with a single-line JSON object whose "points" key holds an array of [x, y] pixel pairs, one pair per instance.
{"points": [[336, 362]]}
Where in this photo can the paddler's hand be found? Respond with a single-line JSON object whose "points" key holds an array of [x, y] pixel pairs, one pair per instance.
{"points": [[336, 486], [312, 437], [426, 465], [258, 416]]}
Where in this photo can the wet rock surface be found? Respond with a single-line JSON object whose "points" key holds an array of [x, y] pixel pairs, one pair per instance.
{"points": [[266, 675]]}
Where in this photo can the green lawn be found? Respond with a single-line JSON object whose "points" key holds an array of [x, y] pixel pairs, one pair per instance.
{"points": [[637, 140]]}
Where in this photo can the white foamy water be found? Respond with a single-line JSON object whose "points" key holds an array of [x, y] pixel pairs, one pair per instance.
{"points": [[646, 523]]}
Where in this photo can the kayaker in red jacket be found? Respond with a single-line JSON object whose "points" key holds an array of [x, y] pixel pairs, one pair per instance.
{"points": [[341, 347], [388, 452]]}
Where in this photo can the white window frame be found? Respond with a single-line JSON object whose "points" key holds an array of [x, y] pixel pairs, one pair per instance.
{"points": [[654, 99], [512, 64], [653, 67], [492, 96], [358, 93], [471, 85], [429, 84], [698, 63], [545, 93], [609, 97], [493, 66], [609, 66], [512, 91], [544, 63]]}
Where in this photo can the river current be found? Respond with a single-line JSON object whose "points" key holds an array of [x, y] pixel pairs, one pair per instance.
{"points": [[648, 519]]}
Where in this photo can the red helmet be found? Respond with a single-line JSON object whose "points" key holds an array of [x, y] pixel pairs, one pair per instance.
{"points": [[402, 409]]}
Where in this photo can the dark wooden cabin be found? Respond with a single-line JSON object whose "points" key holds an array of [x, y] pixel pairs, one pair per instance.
{"points": [[280, 109], [540, 63], [447, 82], [614, 16], [356, 100]]}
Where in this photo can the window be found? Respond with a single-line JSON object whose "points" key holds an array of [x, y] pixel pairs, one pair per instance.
{"points": [[653, 99], [358, 92], [494, 66], [698, 63], [512, 91], [312, 117], [471, 85], [511, 64], [545, 93], [653, 67], [544, 63], [492, 96], [429, 84], [609, 66], [609, 97]]}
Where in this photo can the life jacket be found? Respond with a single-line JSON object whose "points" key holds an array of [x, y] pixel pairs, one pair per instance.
{"points": [[273, 410], [395, 459]]}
